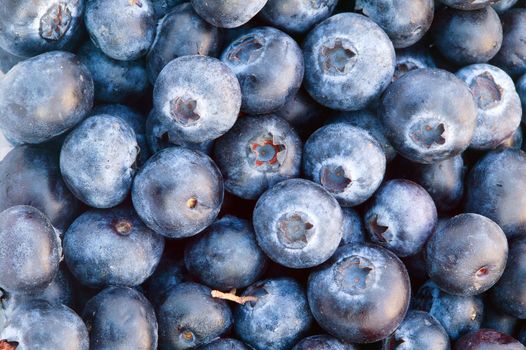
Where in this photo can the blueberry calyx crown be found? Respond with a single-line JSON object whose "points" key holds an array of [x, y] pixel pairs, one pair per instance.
{"points": [[378, 230], [183, 110], [353, 274], [337, 57], [486, 91], [295, 230], [334, 179], [123, 227], [55, 22], [246, 50], [266, 153], [137, 3], [427, 135]]}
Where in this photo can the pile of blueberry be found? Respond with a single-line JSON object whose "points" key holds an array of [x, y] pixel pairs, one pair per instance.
{"points": [[262, 174]]}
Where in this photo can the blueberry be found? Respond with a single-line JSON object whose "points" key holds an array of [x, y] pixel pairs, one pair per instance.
{"points": [[190, 317], [228, 13], [368, 120], [257, 153], [162, 7], [401, 217], [468, 255], [405, 22], [169, 273], [225, 344], [498, 104], [159, 137], [134, 119], [34, 172], [349, 61], [49, 108], [513, 50], [226, 255], [298, 223], [194, 106], [509, 294], [269, 66], [30, 251], [411, 58], [346, 160], [297, 16], [443, 180], [494, 189], [502, 6], [97, 160], [348, 295], [111, 247], [499, 321], [32, 27], [303, 113], [121, 318], [323, 342], [419, 330], [466, 37], [353, 229], [458, 315], [181, 33], [115, 81], [123, 29], [488, 339], [276, 317], [40, 325], [426, 124], [60, 291], [178, 192], [468, 4]]}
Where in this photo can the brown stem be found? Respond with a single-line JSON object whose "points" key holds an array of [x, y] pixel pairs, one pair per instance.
{"points": [[233, 297], [8, 345]]}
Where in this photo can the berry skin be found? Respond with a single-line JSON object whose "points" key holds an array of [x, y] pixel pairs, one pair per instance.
{"points": [[182, 201], [98, 160], [349, 61], [494, 189], [467, 255], [228, 13], [257, 153], [405, 22], [225, 344], [467, 37], [269, 66], [323, 342], [32, 27], [468, 4], [353, 228], [181, 33], [197, 107], [49, 109], [40, 325], [425, 124], [346, 160], [488, 339], [123, 29], [513, 44], [226, 255], [419, 330], [30, 251], [121, 318], [278, 317], [190, 317], [401, 217], [458, 315], [34, 172], [111, 247], [296, 16], [348, 297], [115, 81], [298, 224], [509, 294]]}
